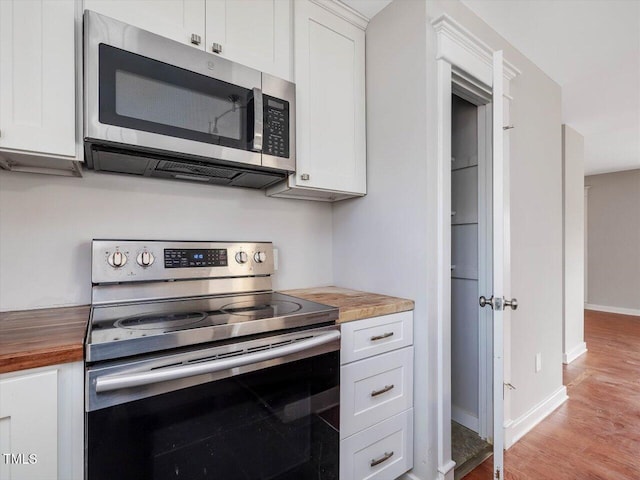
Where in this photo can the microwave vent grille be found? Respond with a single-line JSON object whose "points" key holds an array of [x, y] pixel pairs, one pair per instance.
{"points": [[195, 169]]}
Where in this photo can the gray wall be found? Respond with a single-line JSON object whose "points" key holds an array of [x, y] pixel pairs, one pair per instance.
{"points": [[536, 222], [613, 238], [383, 242], [380, 241], [47, 223], [573, 217]]}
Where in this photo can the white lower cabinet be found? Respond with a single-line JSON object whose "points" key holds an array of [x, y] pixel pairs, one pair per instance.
{"points": [[374, 389], [376, 397], [381, 452], [41, 423], [366, 338]]}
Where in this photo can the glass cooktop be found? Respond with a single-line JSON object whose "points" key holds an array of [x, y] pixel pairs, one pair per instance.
{"points": [[117, 331]]}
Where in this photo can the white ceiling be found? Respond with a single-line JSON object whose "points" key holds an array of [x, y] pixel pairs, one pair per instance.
{"points": [[592, 49], [367, 7]]}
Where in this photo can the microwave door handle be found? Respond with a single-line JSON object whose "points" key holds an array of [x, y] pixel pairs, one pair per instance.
{"points": [[137, 379], [258, 120]]}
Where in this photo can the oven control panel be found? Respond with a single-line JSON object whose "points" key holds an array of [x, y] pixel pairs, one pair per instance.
{"points": [[195, 257], [119, 261]]}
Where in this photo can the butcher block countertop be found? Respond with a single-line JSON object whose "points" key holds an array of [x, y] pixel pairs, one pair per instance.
{"points": [[354, 305], [50, 336], [37, 338]]}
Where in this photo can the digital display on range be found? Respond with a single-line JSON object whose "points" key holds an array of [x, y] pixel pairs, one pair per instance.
{"points": [[192, 257]]}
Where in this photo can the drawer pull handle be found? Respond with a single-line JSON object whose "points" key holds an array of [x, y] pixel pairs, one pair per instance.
{"points": [[380, 337], [386, 388], [384, 458]]}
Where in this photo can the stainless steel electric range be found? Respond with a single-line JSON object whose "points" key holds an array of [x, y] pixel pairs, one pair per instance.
{"points": [[196, 369]]}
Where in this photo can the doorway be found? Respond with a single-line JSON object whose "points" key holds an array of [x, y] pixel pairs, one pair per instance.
{"points": [[471, 266]]}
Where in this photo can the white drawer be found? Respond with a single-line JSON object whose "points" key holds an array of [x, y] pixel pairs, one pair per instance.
{"points": [[372, 336], [387, 445], [374, 389]]}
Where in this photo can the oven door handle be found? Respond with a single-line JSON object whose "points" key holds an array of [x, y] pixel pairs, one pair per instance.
{"points": [[137, 379]]}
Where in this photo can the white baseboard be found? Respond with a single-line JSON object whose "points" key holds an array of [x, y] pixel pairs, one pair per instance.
{"points": [[408, 476], [605, 308], [516, 429], [441, 476], [574, 353], [445, 472], [465, 418]]}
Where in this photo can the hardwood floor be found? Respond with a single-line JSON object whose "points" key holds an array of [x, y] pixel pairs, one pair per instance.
{"points": [[596, 433]]}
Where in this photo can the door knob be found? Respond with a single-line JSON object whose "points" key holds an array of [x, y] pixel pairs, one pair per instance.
{"points": [[513, 303], [484, 302], [499, 303]]}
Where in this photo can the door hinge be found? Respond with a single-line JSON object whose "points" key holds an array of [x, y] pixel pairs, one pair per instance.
{"points": [[497, 476]]}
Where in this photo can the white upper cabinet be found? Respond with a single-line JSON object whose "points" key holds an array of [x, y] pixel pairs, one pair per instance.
{"points": [[256, 33], [180, 20], [38, 83], [329, 59]]}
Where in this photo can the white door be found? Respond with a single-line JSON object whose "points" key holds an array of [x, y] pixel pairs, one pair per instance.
{"points": [[501, 263]]}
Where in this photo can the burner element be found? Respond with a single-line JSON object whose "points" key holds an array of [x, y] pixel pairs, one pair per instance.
{"points": [[154, 321], [275, 308]]}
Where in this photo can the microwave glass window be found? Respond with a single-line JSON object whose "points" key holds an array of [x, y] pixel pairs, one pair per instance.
{"points": [[147, 95], [156, 101]]}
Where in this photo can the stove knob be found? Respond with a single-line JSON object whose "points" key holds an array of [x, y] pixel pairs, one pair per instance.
{"points": [[145, 258], [117, 259], [242, 257], [260, 257]]}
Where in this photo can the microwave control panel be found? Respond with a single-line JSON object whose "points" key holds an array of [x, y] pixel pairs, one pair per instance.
{"points": [[276, 127]]}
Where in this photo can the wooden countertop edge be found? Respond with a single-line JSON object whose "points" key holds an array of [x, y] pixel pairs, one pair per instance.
{"points": [[349, 314], [43, 357], [354, 304], [42, 337]]}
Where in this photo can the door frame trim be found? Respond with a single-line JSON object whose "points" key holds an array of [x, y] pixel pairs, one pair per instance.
{"points": [[485, 272], [461, 53]]}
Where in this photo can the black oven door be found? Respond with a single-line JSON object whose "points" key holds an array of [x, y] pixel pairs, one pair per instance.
{"points": [[274, 423]]}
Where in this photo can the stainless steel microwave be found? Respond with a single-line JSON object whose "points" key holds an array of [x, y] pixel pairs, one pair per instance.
{"points": [[155, 107]]}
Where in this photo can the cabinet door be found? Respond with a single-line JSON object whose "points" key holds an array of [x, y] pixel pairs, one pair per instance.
{"points": [[38, 76], [29, 426], [256, 33], [330, 100], [175, 19]]}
